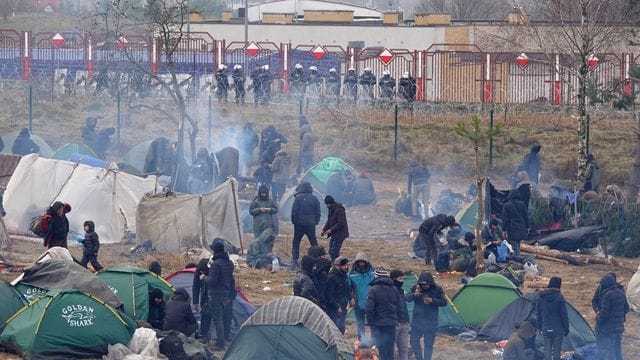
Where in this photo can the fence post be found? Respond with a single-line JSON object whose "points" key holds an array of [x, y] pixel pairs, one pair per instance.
{"points": [[209, 116], [419, 93], [89, 58], [556, 82], [588, 134], [487, 79], [627, 78], [30, 108], [25, 56], [118, 116], [491, 112], [395, 133]]}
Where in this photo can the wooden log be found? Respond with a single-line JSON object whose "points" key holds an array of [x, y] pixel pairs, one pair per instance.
{"points": [[582, 258], [551, 258]]}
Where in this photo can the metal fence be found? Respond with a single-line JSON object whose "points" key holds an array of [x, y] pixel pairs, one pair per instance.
{"points": [[465, 74]]}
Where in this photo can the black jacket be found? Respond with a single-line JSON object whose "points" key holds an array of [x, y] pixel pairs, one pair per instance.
{"points": [[430, 227], [338, 292], [404, 312], [383, 303], [306, 207], [179, 315], [426, 315], [613, 307], [220, 282], [515, 217], [319, 277], [91, 244], [418, 175], [56, 227], [304, 286], [552, 311], [337, 223], [199, 287], [23, 144]]}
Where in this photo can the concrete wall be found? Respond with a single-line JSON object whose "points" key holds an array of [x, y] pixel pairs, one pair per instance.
{"points": [[273, 18], [328, 16], [401, 37]]}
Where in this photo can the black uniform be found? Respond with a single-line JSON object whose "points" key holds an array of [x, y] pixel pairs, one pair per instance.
{"points": [[238, 84], [387, 87], [351, 84], [222, 85], [407, 89]]}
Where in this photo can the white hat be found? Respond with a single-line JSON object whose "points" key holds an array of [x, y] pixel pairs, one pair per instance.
{"points": [[298, 66], [313, 68], [237, 67], [265, 66], [351, 69], [405, 75], [332, 70], [386, 72], [221, 66], [367, 69]]}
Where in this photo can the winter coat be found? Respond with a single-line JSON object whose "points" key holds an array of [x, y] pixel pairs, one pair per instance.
{"points": [[56, 227], [303, 285], [91, 244], [613, 307], [531, 163], [199, 287], [263, 174], [308, 141], [260, 247], [425, 316], [262, 220], [367, 79], [220, 282], [593, 176], [404, 311], [516, 348], [387, 86], [338, 292], [383, 303], [280, 168], [360, 281], [23, 144], [430, 227], [597, 295], [337, 223], [363, 192], [320, 277], [337, 188], [515, 217], [305, 210], [407, 88], [418, 175], [489, 235], [179, 315], [552, 311]]}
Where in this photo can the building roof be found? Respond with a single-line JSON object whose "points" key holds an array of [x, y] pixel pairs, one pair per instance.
{"points": [[299, 6]]}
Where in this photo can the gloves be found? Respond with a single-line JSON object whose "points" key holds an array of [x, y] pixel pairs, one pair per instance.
{"points": [[79, 239]]}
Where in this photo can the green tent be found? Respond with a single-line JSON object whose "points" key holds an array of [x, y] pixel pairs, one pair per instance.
{"points": [[289, 328], [66, 324], [12, 301], [467, 217], [64, 152], [319, 173], [483, 297], [132, 285], [29, 292], [10, 138]]}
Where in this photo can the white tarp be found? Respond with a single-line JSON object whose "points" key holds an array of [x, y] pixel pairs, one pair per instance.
{"points": [[109, 197], [633, 292], [175, 222]]}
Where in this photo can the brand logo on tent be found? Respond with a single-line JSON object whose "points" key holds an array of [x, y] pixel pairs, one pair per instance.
{"points": [[33, 293], [113, 290], [78, 315]]}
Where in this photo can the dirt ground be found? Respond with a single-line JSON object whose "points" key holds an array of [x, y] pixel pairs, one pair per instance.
{"points": [[382, 234]]}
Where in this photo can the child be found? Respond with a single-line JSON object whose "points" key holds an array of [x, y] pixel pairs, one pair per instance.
{"points": [[91, 245]]}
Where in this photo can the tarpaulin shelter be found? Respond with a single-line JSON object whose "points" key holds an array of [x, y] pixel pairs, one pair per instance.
{"points": [[10, 138], [483, 297], [66, 324], [174, 221], [108, 196], [574, 239], [505, 322], [319, 174], [132, 285], [289, 328]]}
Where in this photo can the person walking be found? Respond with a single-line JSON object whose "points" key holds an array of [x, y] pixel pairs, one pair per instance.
{"points": [[553, 320], [360, 277], [610, 318], [382, 312], [427, 298], [90, 246], [262, 209], [338, 293], [221, 288], [418, 184], [402, 329], [305, 215], [56, 225], [515, 220], [336, 226]]}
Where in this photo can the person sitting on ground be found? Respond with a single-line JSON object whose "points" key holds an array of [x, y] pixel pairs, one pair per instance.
{"points": [[336, 186], [462, 253], [448, 202], [492, 231], [179, 315], [260, 253], [363, 192], [156, 308], [23, 144], [517, 348], [155, 267]]}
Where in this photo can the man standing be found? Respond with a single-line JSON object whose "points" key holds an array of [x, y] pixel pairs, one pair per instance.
{"points": [[402, 330], [531, 163], [610, 318], [418, 185], [221, 287], [305, 215], [515, 220], [382, 312], [201, 297], [593, 174], [336, 226], [338, 294], [303, 285], [360, 278], [263, 209], [427, 233], [553, 320], [427, 298], [307, 147]]}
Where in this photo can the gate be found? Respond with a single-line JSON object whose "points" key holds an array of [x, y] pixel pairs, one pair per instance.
{"points": [[605, 75], [255, 54], [522, 78], [454, 76], [324, 57], [57, 63], [396, 61], [11, 54]]}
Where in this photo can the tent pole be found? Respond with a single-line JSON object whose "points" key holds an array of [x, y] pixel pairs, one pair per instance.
{"points": [[235, 204]]}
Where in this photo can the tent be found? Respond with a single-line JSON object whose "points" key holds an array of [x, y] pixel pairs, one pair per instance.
{"points": [[289, 327], [483, 297], [286, 204], [63, 274], [66, 324], [319, 173], [504, 323], [174, 221], [65, 152], [633, 292], [242, 308], [10, 138], [132, 285], [467, 217], [107, 196], [12, 301], [573, 239]]}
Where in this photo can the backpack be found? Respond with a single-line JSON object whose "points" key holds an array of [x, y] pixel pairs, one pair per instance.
{"points": [[503, 253], [35, 228]]}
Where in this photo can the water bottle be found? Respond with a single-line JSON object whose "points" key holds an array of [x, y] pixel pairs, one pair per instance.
{"points": [[275, 264], [492, 258]]}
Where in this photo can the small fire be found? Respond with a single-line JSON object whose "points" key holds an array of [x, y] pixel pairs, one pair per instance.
{"points": [[364, 352]]}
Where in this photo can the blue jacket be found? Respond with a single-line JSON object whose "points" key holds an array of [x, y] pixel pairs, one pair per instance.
{"points": [[360, 282]]}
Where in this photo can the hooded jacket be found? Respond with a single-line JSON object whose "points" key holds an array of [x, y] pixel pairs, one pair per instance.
{"points": [[360, 281], [91, 243], [363, 191], [319, 277], [383, 303], [156, 311], [531, 163], [425, 316], [515, 217], [430, 227], [220, 282], [303, 285], [337, 223], [552, 311], [306, 206], [404, 311], [56, 227], [23, 144], [260, 247], [307, 141], [516, 348], [280, 168], [179, 315], [613, 307], [262, 220], [338, 292]]}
